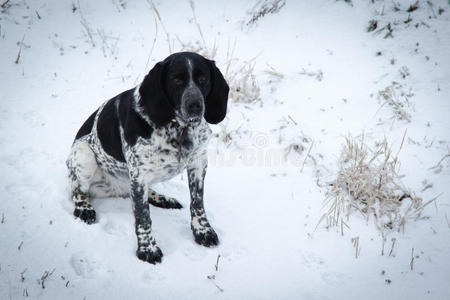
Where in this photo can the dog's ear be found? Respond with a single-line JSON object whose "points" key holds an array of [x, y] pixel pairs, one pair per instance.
{"points": [[154, 98], [216, 102]]}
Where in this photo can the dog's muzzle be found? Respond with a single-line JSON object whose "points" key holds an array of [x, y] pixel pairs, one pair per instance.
{"points": [[193, 106]]}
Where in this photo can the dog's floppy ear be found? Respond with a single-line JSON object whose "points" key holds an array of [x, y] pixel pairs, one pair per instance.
{"points": [[216, 102], [154, 97]]}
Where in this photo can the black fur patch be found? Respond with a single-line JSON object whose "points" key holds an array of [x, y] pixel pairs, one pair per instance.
{"points": [[155, 100], [216, 102], [132, 123], [108, 130], [87, 126]]}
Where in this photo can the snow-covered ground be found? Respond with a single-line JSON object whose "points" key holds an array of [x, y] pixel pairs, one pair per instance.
{"points": [[316, 77]]}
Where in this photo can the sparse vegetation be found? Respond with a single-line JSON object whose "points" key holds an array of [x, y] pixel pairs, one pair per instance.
{"points": [[168, 38], [318, 75], [5, 4], [393, 16], [244, 86], [373, 24], [22, 277], [438, 167], [263, 8], [368, 183], [355, 242], [212, 277], [45, 276], [413, 7], [240, 75], [397, 99], [87, 28], [20, 50]]}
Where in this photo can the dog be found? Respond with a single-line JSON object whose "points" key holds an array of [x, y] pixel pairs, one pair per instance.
{"points": [[149, 134]]}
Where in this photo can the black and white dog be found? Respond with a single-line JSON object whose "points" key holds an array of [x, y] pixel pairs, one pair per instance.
{"points": [[149, 134]]}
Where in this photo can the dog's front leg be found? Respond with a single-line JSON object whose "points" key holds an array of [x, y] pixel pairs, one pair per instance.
{"points": [[202, 230], [147, 250]]}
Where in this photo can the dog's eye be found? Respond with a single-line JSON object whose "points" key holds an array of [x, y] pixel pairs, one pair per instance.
{"points": [[178, 81], [202, 79]]}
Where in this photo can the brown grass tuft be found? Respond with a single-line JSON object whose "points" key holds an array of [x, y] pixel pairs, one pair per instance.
{"points": [[367, 182]]}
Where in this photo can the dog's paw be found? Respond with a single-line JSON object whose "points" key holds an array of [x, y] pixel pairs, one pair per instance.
{"points": [[206, 236], [150, 256], [162, 201], [165, 202], [87, 214], [174, 204]]}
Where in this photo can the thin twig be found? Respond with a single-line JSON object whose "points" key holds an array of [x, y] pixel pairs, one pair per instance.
{"points": [[355, 241], [22, 278], [426, 187], [401, 145], [274, 72], [217, 263], [45, 276], [20, 50], [320, 221], [212, 278], [304, 161], [448, 222], [155, 10], [192, 4], [295, 123], [420, 209], [4, 3], [153, 44], [86, 25], [440, 161], [393, 244]]}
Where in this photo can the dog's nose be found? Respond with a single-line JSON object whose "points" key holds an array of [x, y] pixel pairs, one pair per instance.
{"points": [[194, 107]]}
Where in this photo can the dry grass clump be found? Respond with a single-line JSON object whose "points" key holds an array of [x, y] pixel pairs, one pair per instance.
{"points": [[368, 183], [398, 100], [243, 84], [264, 7], [239, 74]]}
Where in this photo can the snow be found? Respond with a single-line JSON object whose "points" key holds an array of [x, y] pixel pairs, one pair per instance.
{"points": [[264, 209]]}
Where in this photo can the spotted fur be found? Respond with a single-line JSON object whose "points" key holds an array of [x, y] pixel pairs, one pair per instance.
{"points": [[147, 135]]}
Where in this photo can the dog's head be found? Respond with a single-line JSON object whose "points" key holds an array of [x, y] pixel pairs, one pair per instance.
{"points": [[185, 86]]}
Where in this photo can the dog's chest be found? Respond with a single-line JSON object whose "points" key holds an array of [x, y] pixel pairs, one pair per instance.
{"points": [[169, 150]]}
